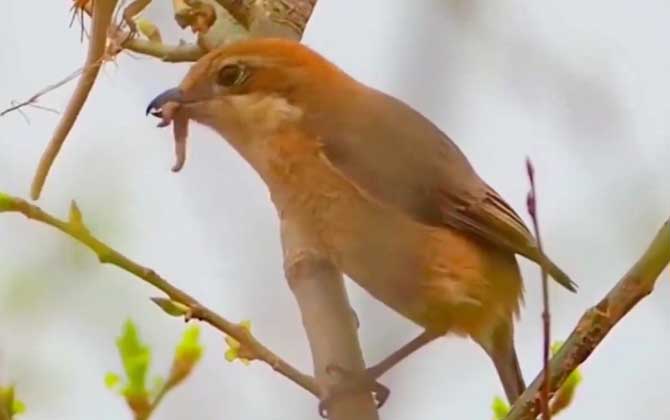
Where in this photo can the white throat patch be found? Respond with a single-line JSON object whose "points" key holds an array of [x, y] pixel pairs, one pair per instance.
{"points": [[263, 113]]}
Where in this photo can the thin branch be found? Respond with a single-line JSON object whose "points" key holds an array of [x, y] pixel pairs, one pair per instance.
{"points": [[103, 11], [531, 204], [77, 230], [169, 53], [165, 388], [598, 321], [33, 99], [284, 18]]}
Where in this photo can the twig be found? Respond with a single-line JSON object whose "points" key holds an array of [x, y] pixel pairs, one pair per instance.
{"points": [[102, 15], [165, 388], [531, 204], [33, 99], [598, 321], [286, 18], [169, 53], [76, 229]]}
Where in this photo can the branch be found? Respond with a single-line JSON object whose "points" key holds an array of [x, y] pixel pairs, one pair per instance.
{"points": [[597, 322], [278, 18], [281, 18], [102, 17], [328, 320], [33, 99], [238, 9], [75, 228], [168, 53], [531, 204], [271, 18]]}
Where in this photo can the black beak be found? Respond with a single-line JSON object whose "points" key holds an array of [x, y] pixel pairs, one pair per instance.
{"points": [[170, 95]]}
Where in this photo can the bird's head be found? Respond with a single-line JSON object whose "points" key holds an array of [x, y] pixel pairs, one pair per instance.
{"points": [[251, 86]]}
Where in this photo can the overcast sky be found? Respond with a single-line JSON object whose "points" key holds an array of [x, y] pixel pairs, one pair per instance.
{"points": [[581, 87]]}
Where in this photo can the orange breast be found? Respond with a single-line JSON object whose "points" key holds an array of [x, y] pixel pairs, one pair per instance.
{"points": [[439, 278]]}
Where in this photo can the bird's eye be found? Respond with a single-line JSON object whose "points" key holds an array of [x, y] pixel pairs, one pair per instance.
{"points": [[232, 74]]}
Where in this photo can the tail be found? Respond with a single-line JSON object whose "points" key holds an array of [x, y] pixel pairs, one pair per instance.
{"points": [[556, 273], [500, 348], [509, 371]]}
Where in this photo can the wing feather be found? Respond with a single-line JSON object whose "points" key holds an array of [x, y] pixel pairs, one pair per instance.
{"points": [[402, 160]]}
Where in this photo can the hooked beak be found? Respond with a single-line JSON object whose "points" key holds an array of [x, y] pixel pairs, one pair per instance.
{"points": [[170, 95]]}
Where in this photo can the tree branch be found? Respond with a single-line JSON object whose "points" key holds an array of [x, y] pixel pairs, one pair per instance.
{"points": [[597, 322], [531, 204], [268, 18], [238, 9], [328, 320], [316, 284], [168, 53], [102, 16], [76, 229]]}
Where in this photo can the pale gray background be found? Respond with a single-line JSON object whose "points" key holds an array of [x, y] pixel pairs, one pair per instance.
{"points": [[581, 87]]}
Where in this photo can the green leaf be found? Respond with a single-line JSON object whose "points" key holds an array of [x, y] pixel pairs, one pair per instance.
{"points": [[189, 347], [112, 380], [9, 405], [566, 393], [500, 408], [18, 407], [235, 349], [555, 347], [187, 354], [136, 358], [75, 216], [170, 307]]}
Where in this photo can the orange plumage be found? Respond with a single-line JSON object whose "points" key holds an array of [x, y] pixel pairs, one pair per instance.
{"points": [[381, 191]]}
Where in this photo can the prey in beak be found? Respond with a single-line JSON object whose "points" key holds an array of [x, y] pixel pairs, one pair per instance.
{"points": [[167, 107]]}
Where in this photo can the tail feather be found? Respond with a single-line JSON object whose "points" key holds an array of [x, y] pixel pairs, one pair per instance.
{"points": [[557, 274], [509, 371], [500, 348]]}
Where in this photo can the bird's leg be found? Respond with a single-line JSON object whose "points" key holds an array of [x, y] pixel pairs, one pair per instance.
{"points": [[402, 353], [351, 382]]}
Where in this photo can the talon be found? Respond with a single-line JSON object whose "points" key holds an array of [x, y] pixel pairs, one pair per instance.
{"points": [[323, 411], [381, 394], [356, 320], [352, 383]]}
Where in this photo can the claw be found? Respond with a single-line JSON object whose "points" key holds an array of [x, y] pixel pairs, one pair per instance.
{"points": [[352, 383], [323, 411]]}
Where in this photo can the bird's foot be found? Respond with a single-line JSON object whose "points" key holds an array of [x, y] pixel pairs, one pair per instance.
{"points": [[353, 383]]}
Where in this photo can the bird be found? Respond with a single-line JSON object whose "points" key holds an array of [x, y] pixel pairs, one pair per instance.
{"points": [[391, 199]]}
